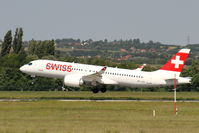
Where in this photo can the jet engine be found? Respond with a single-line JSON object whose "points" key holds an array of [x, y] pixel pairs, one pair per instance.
{"points": [[73, 80]]}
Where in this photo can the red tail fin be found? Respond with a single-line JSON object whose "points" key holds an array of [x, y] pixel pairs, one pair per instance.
{"points": [[176, 63]]}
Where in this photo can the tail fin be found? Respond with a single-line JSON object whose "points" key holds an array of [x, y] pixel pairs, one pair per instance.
{"points": [[176, 63]]}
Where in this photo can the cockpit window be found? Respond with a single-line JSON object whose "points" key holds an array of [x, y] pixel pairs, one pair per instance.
{"points": [[30, 63]]}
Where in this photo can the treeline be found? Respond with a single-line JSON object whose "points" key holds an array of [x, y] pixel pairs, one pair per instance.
{"points": [[109, 45], [111, 49], [138, 51], [14, 55], [130, 45]]}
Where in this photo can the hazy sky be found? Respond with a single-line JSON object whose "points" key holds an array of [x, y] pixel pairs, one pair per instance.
{"points": [[166, 21]]}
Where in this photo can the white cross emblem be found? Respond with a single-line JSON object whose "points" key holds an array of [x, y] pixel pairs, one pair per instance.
{"points": [[177, 62]]}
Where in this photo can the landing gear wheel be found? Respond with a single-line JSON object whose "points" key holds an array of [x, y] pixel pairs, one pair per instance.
{"points": [[103, 90], [63, 88], [95, 90]]}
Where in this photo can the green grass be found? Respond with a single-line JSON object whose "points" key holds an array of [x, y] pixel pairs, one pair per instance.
{"points": [[97, 117], [90, 95]]}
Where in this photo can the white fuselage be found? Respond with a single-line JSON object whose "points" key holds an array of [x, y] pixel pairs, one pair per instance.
{"points": [[112, 76]]}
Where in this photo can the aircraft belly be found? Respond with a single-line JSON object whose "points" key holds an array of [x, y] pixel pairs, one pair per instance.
{"points": [[133, 83], [51, 74]]}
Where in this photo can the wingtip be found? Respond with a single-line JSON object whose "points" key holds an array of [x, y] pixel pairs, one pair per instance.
{"points": [[104, 68]]}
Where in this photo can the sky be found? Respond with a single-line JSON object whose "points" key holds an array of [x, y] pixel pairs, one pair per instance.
{"points": [[165, 21]]}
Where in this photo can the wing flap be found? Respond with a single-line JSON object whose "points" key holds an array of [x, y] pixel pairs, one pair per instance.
{"points": [[94, 78]]}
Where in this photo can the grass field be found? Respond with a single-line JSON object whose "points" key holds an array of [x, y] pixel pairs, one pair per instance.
{"points": [[48, 116], [90, 95]]}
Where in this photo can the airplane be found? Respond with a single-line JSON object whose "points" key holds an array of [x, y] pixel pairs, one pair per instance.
{"points": [[141, 67], [96, 77]]}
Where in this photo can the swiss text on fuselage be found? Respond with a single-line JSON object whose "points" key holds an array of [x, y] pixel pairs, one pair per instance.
{"points": [[58, 67]]}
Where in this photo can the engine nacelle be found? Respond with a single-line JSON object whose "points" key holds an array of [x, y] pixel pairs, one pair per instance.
{"points": [[73, 80]]}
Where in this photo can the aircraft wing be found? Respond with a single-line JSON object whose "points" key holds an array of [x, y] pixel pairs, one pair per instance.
{"points": [[95, 78]]}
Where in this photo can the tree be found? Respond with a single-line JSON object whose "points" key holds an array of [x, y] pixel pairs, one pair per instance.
{"points": [[195, 81], [18, 40], [32, 47], [49, 47], [194, 67], [6, 45], [15, 41], [41, 48]]}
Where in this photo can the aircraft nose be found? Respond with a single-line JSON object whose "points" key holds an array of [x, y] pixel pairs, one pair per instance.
{"points": [[22, 69]]}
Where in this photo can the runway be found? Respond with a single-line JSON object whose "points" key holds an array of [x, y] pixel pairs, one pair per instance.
{"points": [[145, 100], [93, 100]]}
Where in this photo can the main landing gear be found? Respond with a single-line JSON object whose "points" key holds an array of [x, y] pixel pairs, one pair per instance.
{"points": [[97, 89]]}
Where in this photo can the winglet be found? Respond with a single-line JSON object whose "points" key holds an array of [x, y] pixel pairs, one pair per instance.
{"points": [[103, 69], [140, 67]]}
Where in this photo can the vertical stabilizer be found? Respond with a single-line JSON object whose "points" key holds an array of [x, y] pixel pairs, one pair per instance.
{"points": [[176, 63]]}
